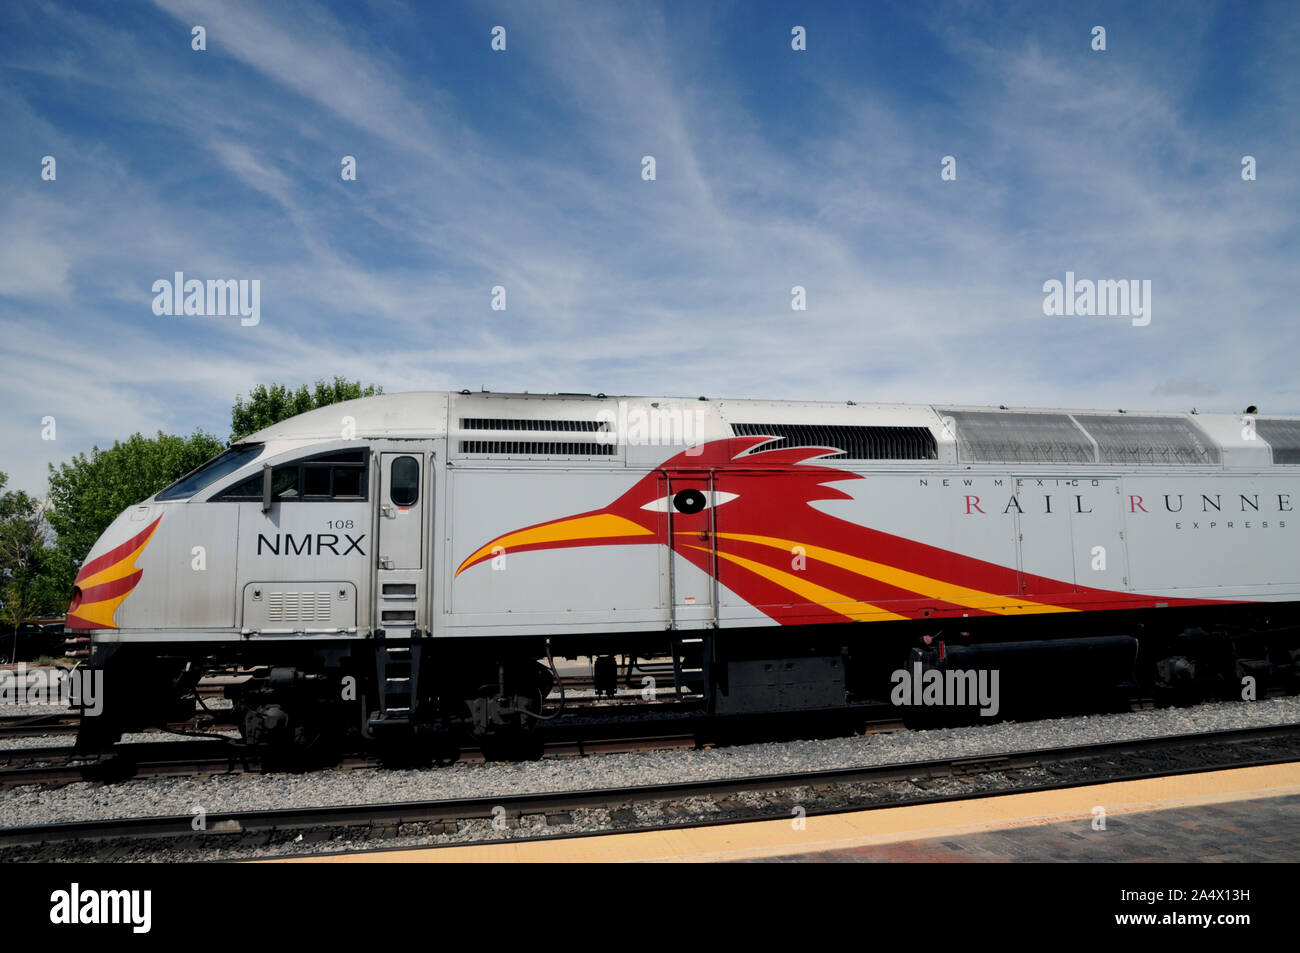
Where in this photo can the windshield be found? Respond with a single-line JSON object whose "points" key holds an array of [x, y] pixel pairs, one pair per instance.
{"points": [[213, 470]]}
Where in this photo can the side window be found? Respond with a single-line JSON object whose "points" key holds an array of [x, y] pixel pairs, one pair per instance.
{"points": [[404, 481], [316, 479], [329, 476], [284, 486]]}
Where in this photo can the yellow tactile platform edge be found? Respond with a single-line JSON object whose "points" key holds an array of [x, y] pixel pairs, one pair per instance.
{"points": [[865, 828]]}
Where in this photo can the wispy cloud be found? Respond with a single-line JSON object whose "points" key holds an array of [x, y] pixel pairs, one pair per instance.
{"points": [[523, 169]]}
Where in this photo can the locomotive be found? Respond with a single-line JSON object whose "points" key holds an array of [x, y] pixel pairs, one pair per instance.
{"points": [[409, 566]]}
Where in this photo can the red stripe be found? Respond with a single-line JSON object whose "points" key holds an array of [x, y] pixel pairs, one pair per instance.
{"points": [[117, 554], [110, 590]]}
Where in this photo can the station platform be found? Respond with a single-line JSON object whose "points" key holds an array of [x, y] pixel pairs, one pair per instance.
{"points": [[1239, 814]]}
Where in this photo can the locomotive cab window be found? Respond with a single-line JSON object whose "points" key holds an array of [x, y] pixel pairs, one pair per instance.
{"points": [[404, 481], [329, 476]]}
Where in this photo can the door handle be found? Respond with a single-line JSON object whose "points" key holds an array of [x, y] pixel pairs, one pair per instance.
{"points": [[387, 510], [385, 562]]}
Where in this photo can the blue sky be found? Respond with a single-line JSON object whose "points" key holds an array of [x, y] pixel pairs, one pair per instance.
{"points": [[522, 168]]}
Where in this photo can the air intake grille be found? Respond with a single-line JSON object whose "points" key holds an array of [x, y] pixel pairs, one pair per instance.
{"points": [[506, 423], [298, 607], [538, 448], [990, 436], [1148, 440], [854, 443], [1283, 436], [558, 447]]}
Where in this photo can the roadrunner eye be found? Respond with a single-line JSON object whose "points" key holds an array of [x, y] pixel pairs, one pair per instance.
{"points": [[689, 501]]}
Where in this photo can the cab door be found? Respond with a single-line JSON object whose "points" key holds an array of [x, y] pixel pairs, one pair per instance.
{"points": [[402, 540]]}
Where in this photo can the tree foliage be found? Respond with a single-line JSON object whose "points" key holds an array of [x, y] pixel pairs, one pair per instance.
{"points": [[268, 405], [24, 557], [88, 493]]}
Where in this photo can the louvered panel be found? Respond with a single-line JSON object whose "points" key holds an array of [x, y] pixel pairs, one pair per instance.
{"points": [[853, 443], [538, 448], [506, 423], [1283, 436], [1131, 439], [992, 436], [293, 606]]}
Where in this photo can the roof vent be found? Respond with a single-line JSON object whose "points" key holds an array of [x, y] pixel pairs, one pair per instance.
{"points": [[985, 436], [1141, 440], [854, 443], [1283, 436], [532, 437]]}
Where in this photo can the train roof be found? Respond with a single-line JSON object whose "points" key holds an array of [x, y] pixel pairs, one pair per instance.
{"points": [[580, 425]]}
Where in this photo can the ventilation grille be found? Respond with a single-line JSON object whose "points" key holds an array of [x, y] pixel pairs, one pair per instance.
{"points": [[298, 607], [1010, 437], [544, 447], [1148, 440], [854, 443], [538, 448], [1283, 436], [504, 423]]}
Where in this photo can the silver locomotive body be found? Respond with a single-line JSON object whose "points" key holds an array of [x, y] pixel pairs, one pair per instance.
{"points": [[416, 561]]}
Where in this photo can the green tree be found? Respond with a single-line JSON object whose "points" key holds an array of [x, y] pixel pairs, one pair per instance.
{"points": [[88, 493], [268, 405], [24, 559]]}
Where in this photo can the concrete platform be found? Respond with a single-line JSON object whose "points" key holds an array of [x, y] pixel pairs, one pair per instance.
{"points": [[1241, 814], [1266, 830]]}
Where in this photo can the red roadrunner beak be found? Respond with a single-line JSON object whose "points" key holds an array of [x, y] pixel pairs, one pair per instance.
{"points": [[105, 582], [587, 529]]}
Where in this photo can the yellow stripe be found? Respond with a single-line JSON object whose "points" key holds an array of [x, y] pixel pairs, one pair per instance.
{"points": [[101, 613], [777, 838], [123, 567], [601, 526], [902, 579], [827, 598]]}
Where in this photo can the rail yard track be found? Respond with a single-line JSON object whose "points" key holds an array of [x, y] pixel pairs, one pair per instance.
{"points": [[1065, 767]]}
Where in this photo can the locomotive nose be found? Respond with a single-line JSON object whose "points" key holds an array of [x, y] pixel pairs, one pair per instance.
{"points": [[105, 581]]}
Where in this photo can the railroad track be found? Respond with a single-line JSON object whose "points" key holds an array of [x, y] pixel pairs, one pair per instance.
{"points": [[582, 731], [384, 820], [58, 765], [57, 722], [35, 726]]}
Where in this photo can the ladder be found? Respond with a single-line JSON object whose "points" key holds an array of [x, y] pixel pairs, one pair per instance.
{"points": [[690, 667], [398, 676]]}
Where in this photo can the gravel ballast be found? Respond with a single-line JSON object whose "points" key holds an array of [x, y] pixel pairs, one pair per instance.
{"points": [[241, 792]]}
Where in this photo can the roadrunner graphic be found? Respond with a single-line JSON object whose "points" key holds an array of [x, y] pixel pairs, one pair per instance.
{"points": [[734, 508]]}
